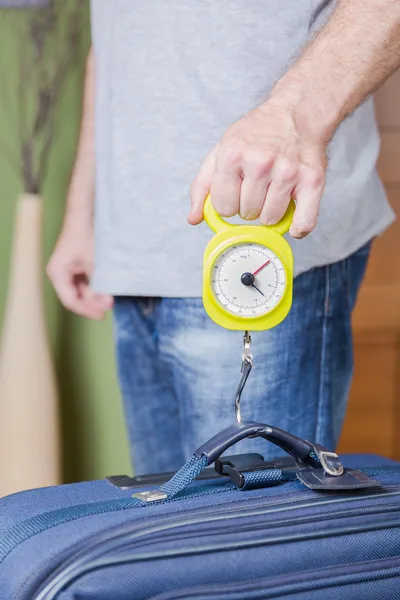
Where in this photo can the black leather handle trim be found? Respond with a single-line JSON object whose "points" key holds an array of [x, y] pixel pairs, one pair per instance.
{"points": [[227, 438]]}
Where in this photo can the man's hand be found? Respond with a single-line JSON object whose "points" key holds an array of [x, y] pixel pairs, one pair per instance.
{"points": [[262, 161], [71, 264], [278, 150], [69, 270]]}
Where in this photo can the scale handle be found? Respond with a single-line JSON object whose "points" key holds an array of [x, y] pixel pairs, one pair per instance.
{"points": [[217, 223]]}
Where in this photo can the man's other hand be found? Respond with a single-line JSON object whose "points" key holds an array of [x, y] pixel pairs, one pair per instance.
{"points": [[70, 268]]}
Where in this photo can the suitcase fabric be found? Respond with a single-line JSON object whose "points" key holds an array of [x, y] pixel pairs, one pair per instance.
{"points": [[207, 539]]}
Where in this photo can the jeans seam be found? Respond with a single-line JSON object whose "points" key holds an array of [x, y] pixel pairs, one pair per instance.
{"points": [[323, 352]]}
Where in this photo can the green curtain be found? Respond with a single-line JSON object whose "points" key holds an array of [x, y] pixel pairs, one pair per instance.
{"points": [[94, 438]]}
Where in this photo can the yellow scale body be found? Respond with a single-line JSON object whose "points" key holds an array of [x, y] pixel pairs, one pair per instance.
{"points": [[247, 273]]}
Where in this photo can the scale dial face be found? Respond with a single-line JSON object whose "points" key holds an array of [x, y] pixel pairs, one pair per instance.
{"points": [[248, 280]]}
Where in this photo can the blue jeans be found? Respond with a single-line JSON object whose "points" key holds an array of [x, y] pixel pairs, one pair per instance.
{"points": [[178, 371]]}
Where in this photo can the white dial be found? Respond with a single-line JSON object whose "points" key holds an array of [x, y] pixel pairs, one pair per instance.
{"points": [[248, 280]]}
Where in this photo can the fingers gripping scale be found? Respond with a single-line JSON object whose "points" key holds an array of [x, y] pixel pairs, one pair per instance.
{"points": [[247, 273], [247, 279]]}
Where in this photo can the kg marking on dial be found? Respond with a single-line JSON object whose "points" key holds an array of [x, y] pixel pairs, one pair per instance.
{"points": [[248, 280]]}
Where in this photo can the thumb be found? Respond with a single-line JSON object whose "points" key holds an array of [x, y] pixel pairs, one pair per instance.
{"points": [[200, 188], [104, 300], [96, 303]]}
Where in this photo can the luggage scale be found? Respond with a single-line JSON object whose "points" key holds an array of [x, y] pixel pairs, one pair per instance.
{"points": [[247, 279]]}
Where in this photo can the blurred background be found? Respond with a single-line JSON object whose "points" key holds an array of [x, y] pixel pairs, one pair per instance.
{"points": [[93, 435], [373, 418], [41, 342]]}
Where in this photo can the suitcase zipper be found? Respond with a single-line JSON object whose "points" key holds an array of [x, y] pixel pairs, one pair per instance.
{"points": [[81, 560], [304, 583], [42, 522]]}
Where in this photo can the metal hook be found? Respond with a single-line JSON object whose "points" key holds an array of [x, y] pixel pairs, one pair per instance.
{"points": [[247, 364]]}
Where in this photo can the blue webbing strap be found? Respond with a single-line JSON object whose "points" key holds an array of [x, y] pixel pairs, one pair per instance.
{"points": [[194, 466], [179, 482], [261, 478], [184, 476], [265, 477]]}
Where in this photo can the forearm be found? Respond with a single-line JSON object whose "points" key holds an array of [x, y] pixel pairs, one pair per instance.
{"points": [[81, 191], [348, 60]]}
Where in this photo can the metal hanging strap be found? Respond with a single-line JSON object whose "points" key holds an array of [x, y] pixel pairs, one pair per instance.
{"points": [[247, 364]]}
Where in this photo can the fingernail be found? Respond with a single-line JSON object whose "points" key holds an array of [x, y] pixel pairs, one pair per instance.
{"points": [[297, 232], [269, 222]]}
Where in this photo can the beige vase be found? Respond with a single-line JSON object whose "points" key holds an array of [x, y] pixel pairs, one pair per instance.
{"points": [[29, 428]]}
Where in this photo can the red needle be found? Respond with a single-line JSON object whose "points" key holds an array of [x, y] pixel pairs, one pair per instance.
{"points": [[261, 268]]}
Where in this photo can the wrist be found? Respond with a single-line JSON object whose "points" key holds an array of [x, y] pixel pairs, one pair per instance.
{"points": [[78, 219], [315, 116]]}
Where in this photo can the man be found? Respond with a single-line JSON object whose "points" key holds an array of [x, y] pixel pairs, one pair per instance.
{"points": [[171, 78]]}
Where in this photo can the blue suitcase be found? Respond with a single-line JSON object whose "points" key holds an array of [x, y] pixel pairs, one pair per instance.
{"points": [[224, 527]]}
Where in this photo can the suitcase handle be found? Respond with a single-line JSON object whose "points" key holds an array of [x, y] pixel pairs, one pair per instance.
{"points": [[306, 455], [296, 447]]}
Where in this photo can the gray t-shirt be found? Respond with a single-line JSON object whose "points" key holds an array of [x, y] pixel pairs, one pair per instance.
{"points": [[171, 77]]}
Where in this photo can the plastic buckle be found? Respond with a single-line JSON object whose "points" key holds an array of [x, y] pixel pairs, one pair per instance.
{"points": [[234, 466]]}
